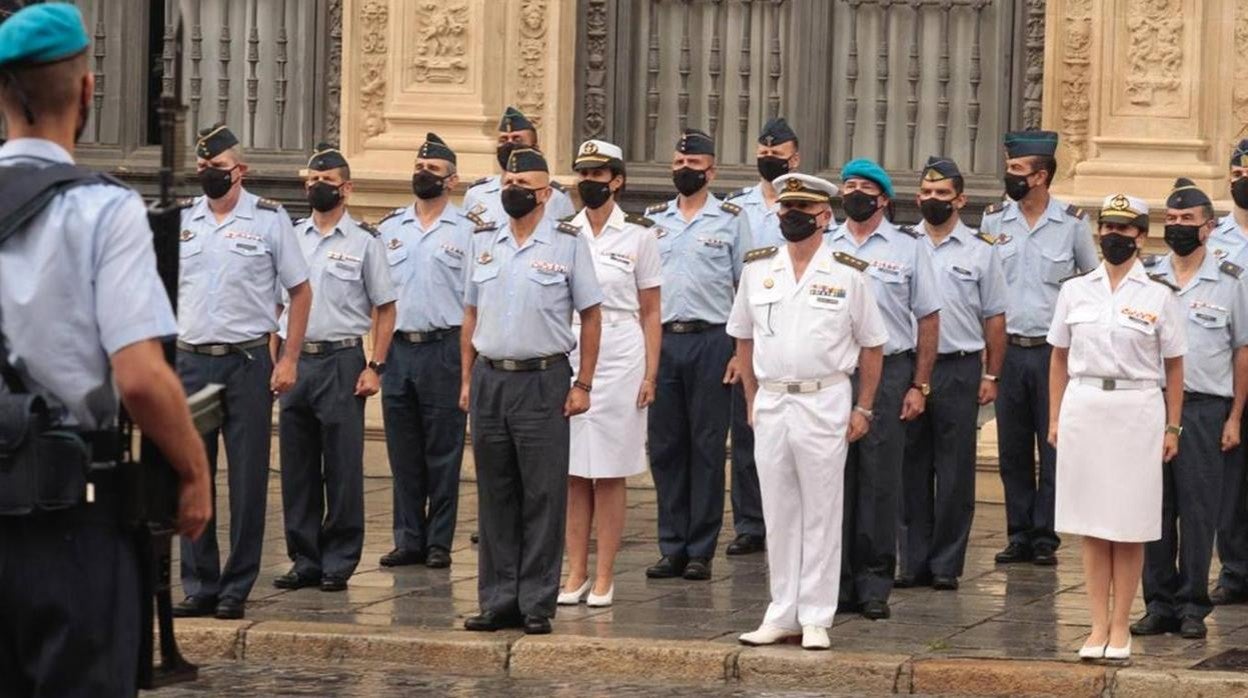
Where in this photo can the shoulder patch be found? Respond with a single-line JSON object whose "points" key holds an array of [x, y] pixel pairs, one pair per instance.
{"points": [[269, 205], [1231, 268], [557, 186], [760, 253], [1075, 276], [656, 208], [987, 237], [1164, 282], [568, 228], [637, 219], [370, 229], [396, 212], [730, 207], [909, 230], [994, 209], [851, 261], [479, 182], [1073, 210]]}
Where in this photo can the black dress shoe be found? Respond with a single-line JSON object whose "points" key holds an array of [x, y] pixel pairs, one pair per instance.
{"points": [[1014, 552], [229, 609], [1193, 628], [907, 581], [746, 544], [475, 537], [332, 583], [295, 580], [667, 567], [402, 558], [489, 621], [1154, 624], [536, 625], [698, 569], [1221, 596], [875, 610], [1044, 556], [945, 583], [437, 558], [196, 607]]}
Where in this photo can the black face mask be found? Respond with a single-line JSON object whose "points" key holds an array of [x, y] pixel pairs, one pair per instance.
{"points": [[859, 205], [324, 196], [1117, 248], [797, 225], [594, 194], [771, 167], [1016, 186], [936, 211], [504, 153], [519, 201], [1183, 239], [689, 181], [1239, 192], [427, 185], [216, 182]]}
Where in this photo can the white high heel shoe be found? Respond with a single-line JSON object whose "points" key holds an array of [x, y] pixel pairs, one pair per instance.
{"points": [[1092, 652], [596, 601], [572, 598], [1118, 652]]}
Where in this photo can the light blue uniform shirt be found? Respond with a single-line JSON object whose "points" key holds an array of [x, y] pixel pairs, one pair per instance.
{"points": [[349, 278], [972, 286], [1216, 303], [764, 222], [902, 279], [1228, 242], [484, 198], [525, 296], [430, 267], [701, 259], [230, 271], [77, 284], [1036, 261]]}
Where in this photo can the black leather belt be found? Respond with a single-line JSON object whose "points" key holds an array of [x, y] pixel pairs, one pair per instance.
{"points": [[906, 353], [689, 326], [956, 355], [538, 364], [330, 347], [1019, 340], [1189, 396], [222, 349], [426, 337]]}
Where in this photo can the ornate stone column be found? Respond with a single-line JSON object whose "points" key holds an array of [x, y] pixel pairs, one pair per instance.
{"points": [[1143, 91], [450, 66]]}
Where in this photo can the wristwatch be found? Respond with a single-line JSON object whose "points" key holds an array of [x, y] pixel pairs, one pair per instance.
{"points": [[378, 367], [864, 412], [924, 388], [1176, 429], [990, 377]]}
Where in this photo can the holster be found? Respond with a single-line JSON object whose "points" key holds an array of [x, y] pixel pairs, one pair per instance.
{"points": [[41, 468]]}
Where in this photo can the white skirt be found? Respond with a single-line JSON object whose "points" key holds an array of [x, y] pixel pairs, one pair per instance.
{"points": [[1109, 472], [610, 439]]}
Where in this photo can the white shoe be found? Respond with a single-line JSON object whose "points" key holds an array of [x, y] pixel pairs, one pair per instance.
{"points": [[1118, 652], [815, 637], [596, 601], [572, 598], [767, 635], [1092, 652]]}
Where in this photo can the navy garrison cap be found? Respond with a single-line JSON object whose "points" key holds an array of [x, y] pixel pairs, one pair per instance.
{"points": [[214, 140], [1030, 142], [939, 169], [775, 132], [526, 160], [434, 148], [695, 142], [1186, 195], [1239, 156], [43, 33], [326, 157], [514, 120]]}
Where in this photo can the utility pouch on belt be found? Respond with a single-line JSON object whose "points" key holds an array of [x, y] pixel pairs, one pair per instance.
{"points": [[41, 469]]}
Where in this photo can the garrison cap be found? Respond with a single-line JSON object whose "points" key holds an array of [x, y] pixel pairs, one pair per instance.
{"points": [[214, 140], [594, 154], [1030, 142], [43, 33], [939, 169], [1239, 156], [695, 142], [775, 132], [796, 186], [863, 168], [1120, 208], [526, 160], [326, 157], [434, 148], [1186, 195], [514, 120]]}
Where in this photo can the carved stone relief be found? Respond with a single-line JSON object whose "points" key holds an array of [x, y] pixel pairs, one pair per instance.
{"points": [[1240, 95], [530, 92], [440, 43], [595, 93], [333, 74], [1076, 78], [374, 25], [1033, 64], [1154, 52]]}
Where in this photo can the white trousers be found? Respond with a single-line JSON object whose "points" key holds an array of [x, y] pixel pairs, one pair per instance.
{"points": [[800, 449]]}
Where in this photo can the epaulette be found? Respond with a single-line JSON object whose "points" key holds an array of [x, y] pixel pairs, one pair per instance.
{"points": [[1075, 276], [299, 221], [730, 207], [1150, 260], [1073, 210], [568, 228], [557, 186], [1164, 282], [567, 219], [485, 227], [370, 229], [1231, 268], [476, 219], [186, 202], [761, 253], [392, 214], [479, 182], [268, 204], [851, 261], [987, 237], [994, 209], [638, 219], [909, 230], [740, 192], [656, 208]]}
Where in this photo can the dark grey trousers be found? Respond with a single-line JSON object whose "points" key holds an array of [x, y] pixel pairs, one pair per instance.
{"points": [[1022, 425], [939, 473], [247, 431], [520, 444], [322, 450]]}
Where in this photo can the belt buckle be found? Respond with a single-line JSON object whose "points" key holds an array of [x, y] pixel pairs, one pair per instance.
{"points": [[792, 388], [510, 365], [1108, 384], [218, 350]]}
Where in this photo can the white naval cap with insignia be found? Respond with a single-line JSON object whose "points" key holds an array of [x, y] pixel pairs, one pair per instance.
{"points": [[796, 186], [595, 153], [1121, 208]]}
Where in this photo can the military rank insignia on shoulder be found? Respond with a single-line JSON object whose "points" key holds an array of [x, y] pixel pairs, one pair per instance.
{"points": [[269, 205], [909, 230], [637, 219], [370, 228], [761, 253], [994, 209], [476, 219], [479, 182], [739, 192], [656, 208], [557, 186], [1164, 282], [186, 202], [1231, 269], [730, 207], [1075, 276], [568, 228], [1076, 212], [987, 237], [1150, 260], [851, 261], [299, 221], [393, 214], [485, 227]]}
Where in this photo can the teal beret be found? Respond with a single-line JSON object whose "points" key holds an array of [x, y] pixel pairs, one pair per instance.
{"points": [[43, 33], [868, 169]]}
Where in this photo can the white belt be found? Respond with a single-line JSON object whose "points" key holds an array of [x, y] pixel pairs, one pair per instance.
{"points": [[1115, 383], [800, 387]]}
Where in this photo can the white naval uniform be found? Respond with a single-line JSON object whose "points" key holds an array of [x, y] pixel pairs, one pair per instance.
{"points": [[1109, 442], [610, 439], [803, 330]]}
